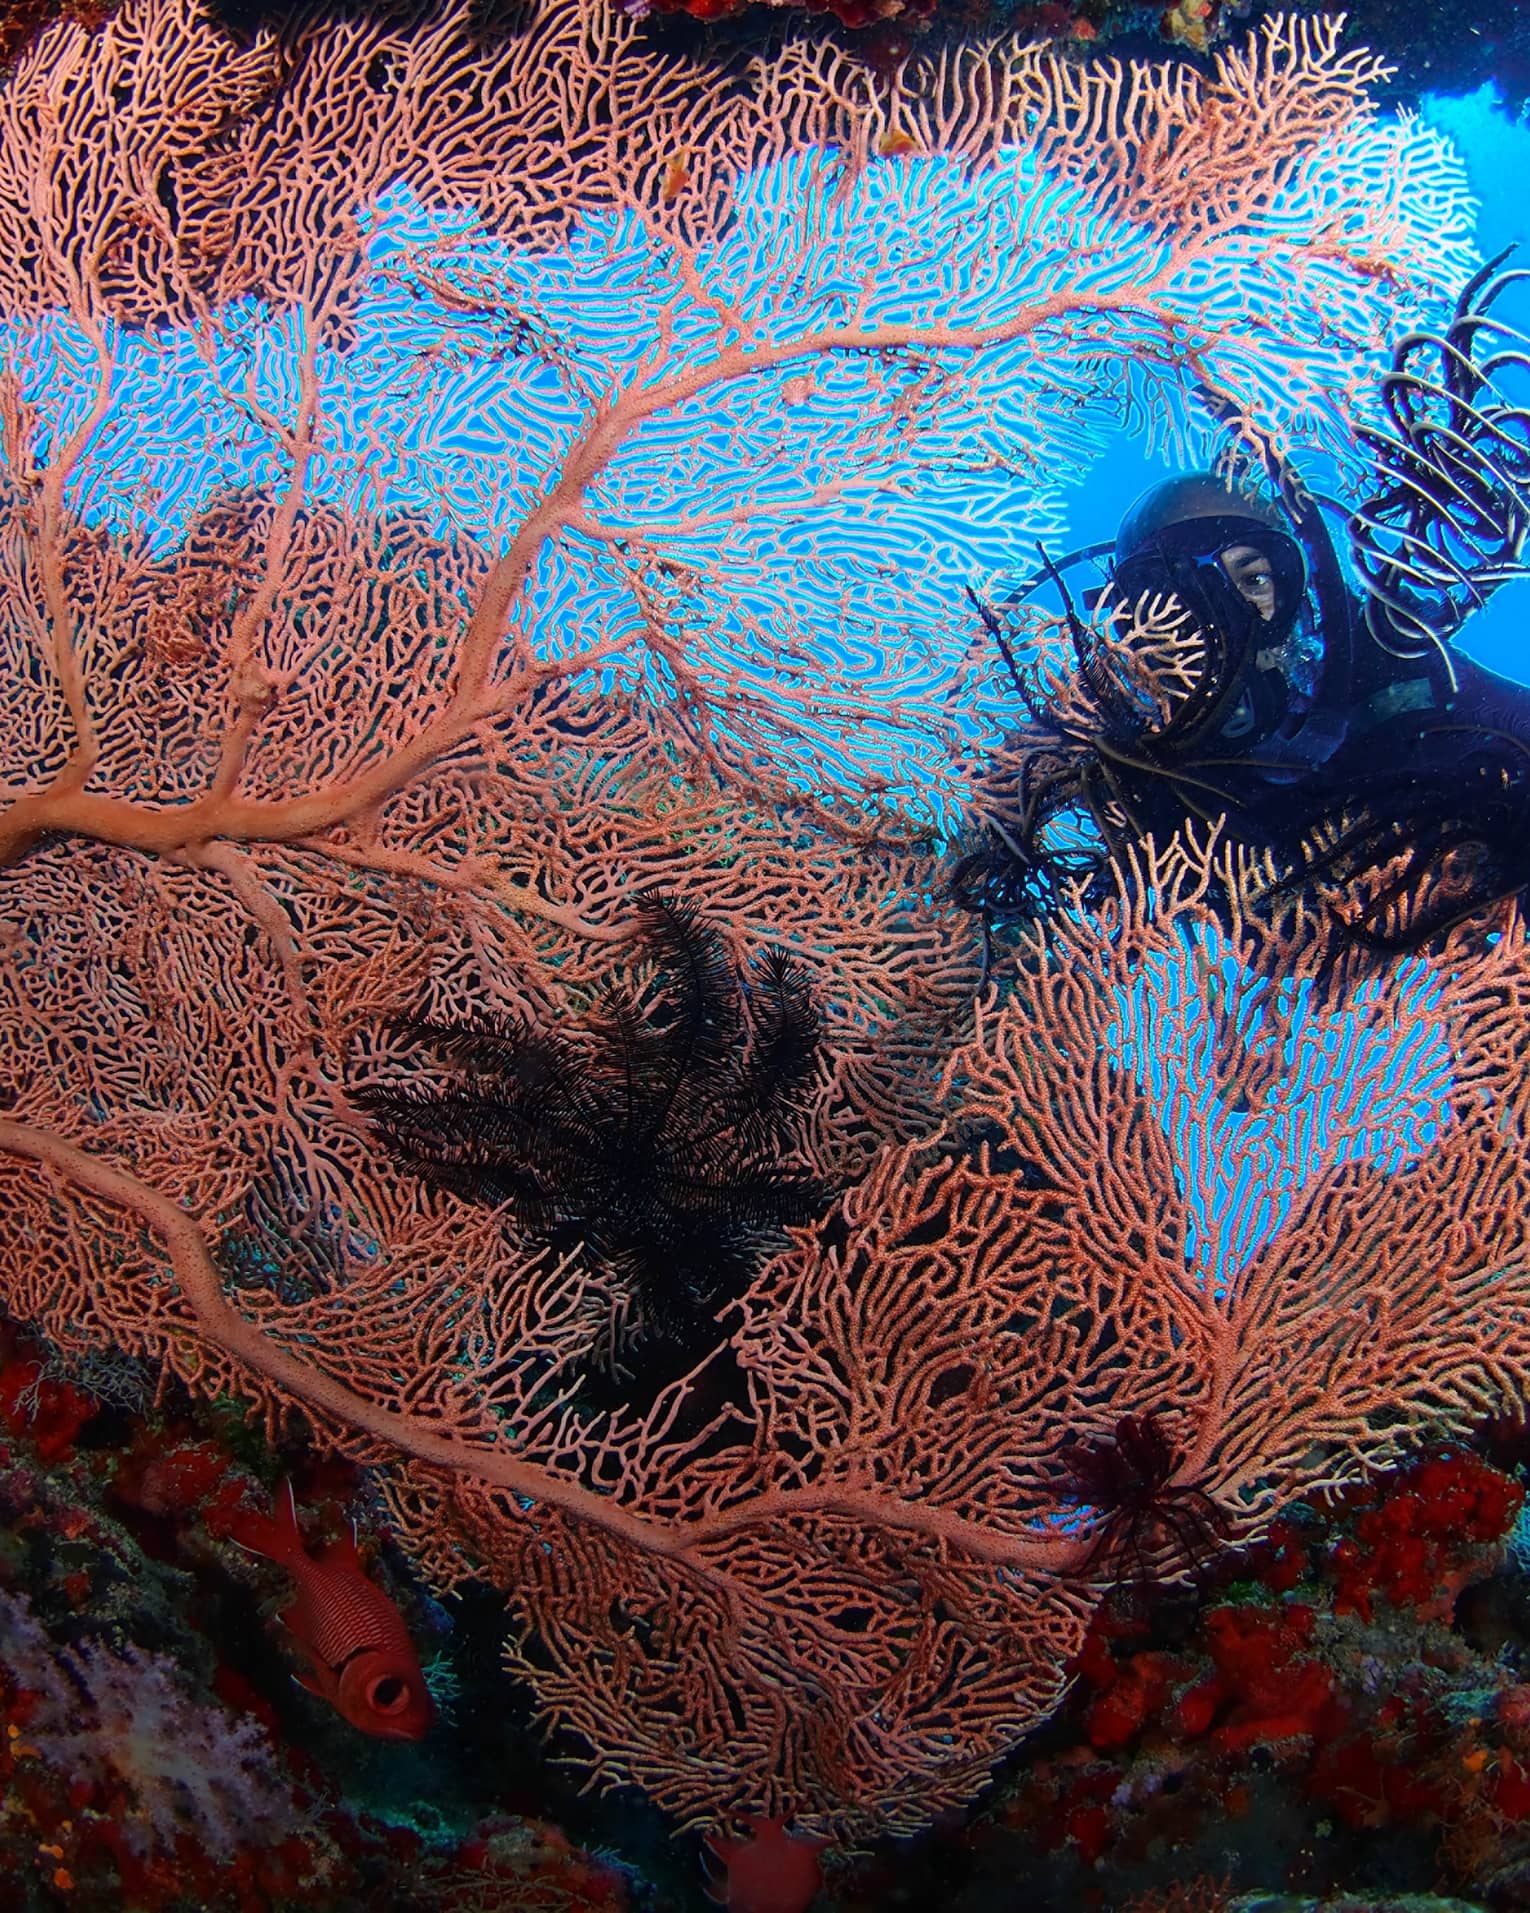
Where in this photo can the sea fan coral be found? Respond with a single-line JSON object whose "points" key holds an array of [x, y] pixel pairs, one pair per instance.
{"points": [[380, 638]]}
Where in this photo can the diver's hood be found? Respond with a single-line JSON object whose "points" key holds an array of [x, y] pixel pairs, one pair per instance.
{"points": [[1188, 505]]}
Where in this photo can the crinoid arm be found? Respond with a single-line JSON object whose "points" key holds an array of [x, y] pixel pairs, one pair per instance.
{"points": [[1449, 520], [1150, 1527], [660, 1140]]}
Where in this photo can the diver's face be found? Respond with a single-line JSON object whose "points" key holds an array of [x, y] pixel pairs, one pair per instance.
{"points": [[1252, 577]]}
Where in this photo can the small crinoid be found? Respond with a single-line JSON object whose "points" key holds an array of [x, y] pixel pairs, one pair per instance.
{"points": [[1148, 1528], [660, 1141]]}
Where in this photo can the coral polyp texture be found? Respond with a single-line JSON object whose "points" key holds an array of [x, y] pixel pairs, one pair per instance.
{"points": [[416, 546]]}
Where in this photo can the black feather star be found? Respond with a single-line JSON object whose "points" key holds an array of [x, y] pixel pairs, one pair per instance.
{"points": [[660, 1141]]}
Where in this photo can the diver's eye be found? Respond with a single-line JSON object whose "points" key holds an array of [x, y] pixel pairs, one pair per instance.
{"points": [[388, 1694], [1252, 576]]}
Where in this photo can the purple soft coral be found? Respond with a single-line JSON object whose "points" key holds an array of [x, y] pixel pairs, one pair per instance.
{"points": [[128, 1718]]}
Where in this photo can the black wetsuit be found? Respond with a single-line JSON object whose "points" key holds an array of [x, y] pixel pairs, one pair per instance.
{"points": [[1391, 757], [1378, 721]]}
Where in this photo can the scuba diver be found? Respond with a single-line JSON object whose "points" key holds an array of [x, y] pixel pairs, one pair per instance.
{"points": [[1228, 668]]}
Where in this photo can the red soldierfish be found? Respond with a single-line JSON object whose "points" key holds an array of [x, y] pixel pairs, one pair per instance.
{"points": [[353, 1637]]}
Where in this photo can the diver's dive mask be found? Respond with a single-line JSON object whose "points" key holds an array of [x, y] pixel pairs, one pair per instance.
{"points": [[1238, 581]]}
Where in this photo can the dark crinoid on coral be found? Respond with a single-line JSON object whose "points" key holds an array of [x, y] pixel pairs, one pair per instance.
{"points": [[1151, 1529], [661, 1140]]}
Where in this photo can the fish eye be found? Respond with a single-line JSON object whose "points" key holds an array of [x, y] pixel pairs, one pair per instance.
{"points": [[388, 1694]]}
